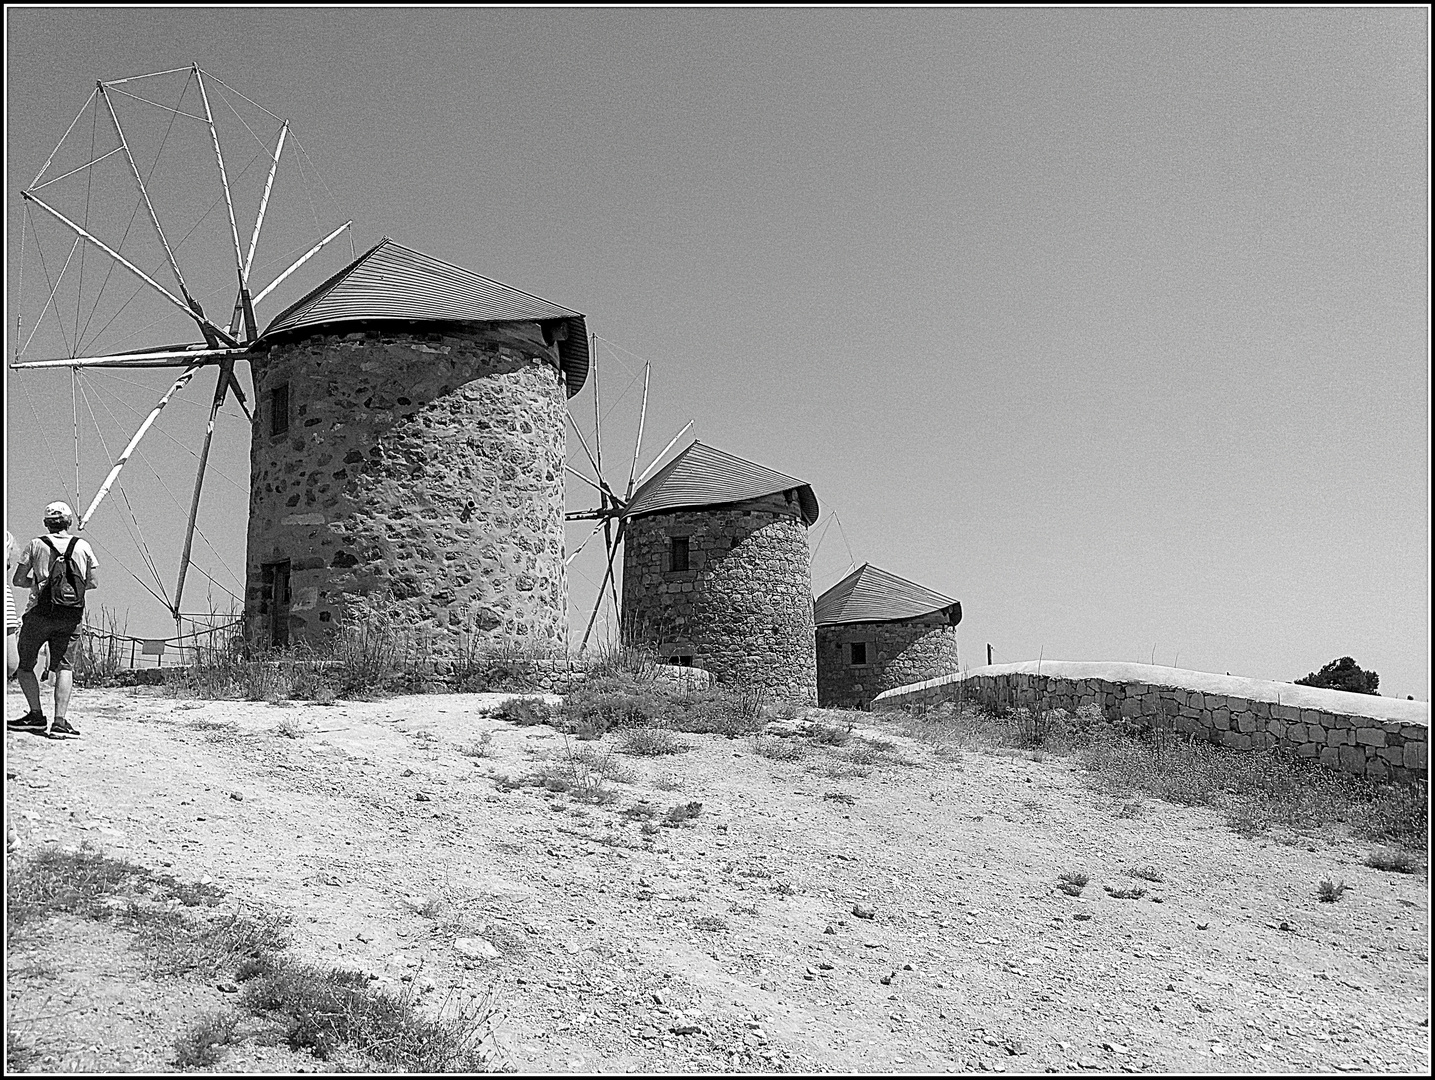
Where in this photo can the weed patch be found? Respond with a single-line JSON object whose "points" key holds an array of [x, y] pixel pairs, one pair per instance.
{"points": [[1072, 882], [202, 1043], [325, 1011], [1257, 789], [681, 814], [651, 742], [1330, 891], [1393, 860], [827, 734], [525, 712], [481, 747], [775, 748], [1125, 892]]}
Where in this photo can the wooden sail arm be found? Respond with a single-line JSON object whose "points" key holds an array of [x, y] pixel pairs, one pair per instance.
{"points": [[224, 182], [221, 391], [300, 262], [134, 441], [191, 309], [144, 195], [160, 358], [264, 201], [642, 417]]}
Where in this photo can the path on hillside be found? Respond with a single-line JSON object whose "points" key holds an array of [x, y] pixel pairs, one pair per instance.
{"points": [[729, 944]]}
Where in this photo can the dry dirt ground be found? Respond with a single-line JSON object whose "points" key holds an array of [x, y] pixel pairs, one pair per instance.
{"points": [[726, 945]]}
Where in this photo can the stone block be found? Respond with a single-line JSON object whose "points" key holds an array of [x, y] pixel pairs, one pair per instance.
{"points": [[1286, 712], [1311, 716], [1221, 720], [1352, 760], [1185, 725], [1261, 708], [1183, 697], [1198, 700], [1276, 728], [1392, 727], [1370, 736], [1306, 749], [1297, 733], [1414, 755], [1245, 722], [1232, 739], [1330, 755], [1395, 755], [1377, 768]]}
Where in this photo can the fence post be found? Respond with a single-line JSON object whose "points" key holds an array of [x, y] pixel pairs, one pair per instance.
{"points": [[989, 654]]}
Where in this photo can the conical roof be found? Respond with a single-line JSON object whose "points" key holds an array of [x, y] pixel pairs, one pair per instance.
{"points": [[870, 594], [703, 476], [390, 281]]}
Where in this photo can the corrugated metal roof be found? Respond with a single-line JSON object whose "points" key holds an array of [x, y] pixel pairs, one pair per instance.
{"points": [[870, 594], [702, 476], [390, 281]]}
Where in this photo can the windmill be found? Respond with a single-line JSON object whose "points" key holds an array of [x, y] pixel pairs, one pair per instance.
{"points": [[613, 499], [132, 190]]}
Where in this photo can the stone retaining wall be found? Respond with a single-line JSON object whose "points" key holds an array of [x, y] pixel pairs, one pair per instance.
{"points": [[1357, 734]]}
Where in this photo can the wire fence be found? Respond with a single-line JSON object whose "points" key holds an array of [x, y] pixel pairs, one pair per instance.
{"points": [[103, 649]]}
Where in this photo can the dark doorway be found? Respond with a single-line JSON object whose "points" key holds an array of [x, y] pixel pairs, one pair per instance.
{"points": [[274, 603]]}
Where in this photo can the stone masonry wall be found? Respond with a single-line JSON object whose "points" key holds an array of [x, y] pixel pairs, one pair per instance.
{"points": [[423, 464], [743, 609], [1327, 725], [898, 653]]}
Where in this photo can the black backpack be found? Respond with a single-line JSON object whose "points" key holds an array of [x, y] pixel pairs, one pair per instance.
{"points": [[64, 592]]}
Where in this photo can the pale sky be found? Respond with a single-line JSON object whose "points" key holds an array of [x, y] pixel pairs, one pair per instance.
{"points": [[1113, 324]]}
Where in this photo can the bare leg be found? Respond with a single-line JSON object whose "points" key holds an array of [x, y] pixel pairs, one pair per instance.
{"points": [[12, 654], [64, 683], [31, 686]]}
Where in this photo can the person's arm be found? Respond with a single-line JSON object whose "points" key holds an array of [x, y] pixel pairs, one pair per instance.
{"points": [[92, 577], [22, 567]]}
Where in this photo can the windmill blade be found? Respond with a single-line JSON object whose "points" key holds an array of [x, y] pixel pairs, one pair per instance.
{"points": [[569, 561], [612, 578], [642, 418], [602, 487], [221, 391], [659, 458], [607, 575], [134, 441]]}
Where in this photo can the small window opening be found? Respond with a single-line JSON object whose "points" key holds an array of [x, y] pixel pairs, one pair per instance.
{"points": [[857, 653], [279, 409], [678, 553], [680, 661]]}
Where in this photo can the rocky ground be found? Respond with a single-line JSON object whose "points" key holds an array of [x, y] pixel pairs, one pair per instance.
{"points": [[885, 906]]}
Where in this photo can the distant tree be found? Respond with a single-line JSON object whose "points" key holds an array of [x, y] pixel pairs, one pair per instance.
{"points": [[1344, 674]]}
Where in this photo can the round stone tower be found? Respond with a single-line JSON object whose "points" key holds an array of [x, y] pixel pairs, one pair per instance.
{"points": [[412, 464], [876, 631], [716, 572]]}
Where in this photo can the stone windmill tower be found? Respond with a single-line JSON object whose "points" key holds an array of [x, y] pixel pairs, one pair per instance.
{"points": [[876, 631], [409, 444], [716, 571]]}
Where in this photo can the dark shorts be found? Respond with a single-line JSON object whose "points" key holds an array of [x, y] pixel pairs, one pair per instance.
{"points": [[37, 630]]}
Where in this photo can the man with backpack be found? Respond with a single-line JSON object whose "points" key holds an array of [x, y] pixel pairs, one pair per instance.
{"points": [[59, 569]]}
